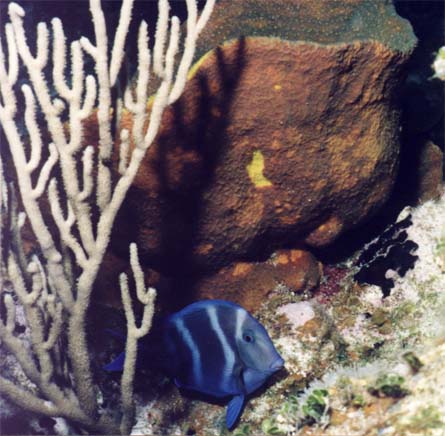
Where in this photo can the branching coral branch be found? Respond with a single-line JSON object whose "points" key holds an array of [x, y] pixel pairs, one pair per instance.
{"points": [[194, 27], [65, 224], [100, 56], [53, 163], [10, 314], [119, 40], [26, 399], [124, 149], [137, 106], [147, 298], [13, 60], [87, 190]]}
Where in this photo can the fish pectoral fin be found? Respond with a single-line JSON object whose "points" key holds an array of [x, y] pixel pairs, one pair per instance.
{"points": [[117, 364], [234, 410], [178, 383]]}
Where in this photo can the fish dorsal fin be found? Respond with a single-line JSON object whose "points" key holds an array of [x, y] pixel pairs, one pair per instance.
{"points": [[234, 410], [117, 364]]}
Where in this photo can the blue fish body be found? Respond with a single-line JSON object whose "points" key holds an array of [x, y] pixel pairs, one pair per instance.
{"points": [[217, 348]]}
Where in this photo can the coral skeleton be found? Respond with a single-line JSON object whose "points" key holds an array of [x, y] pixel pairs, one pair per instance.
{"points": [[53, 284], [439, 64]]}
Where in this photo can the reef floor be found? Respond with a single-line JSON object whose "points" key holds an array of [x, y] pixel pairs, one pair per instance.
{"points": [[361, 359]]}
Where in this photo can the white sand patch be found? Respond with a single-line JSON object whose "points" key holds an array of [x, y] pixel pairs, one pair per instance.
{"points": [[298, 314]]}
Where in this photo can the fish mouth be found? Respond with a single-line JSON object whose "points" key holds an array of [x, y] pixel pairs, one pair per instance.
{"points": [[277, 365]]}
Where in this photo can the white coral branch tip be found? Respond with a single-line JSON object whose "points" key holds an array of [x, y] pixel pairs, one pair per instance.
{"points": [[124, 151], [10, 313], [87, 159], [45, 172]]}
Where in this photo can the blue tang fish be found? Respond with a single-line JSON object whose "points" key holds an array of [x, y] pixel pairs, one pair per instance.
{"points": [[218, 348]]}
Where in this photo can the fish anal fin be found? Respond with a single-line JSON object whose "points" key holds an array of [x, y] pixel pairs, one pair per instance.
{"points": [[234, 410], [117, 364]]}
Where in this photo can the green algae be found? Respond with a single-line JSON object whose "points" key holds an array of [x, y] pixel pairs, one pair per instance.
{"points": [[389, 385], [242, 430], [316, 405], [427, 418], [413, 361], [291, 406], [269, 427], [349, 393]]}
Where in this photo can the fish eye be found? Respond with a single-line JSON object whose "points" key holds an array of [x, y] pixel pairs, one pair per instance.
{"points": [[248, 336]]}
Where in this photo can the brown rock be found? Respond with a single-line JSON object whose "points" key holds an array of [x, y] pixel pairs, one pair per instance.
{"points": [[245, 283], [274, 141], [249, 284], [338, 417], [430, 172], [217, 188], [378, 407]]}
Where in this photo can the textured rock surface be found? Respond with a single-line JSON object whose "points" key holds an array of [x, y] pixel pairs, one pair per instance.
{"points": [[274, 142], [246, 283], [430, 172], [249, 284], [325, 22]]}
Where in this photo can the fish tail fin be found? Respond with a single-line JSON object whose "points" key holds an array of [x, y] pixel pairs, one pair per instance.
{"points": [[117, 364], [234, 410]]}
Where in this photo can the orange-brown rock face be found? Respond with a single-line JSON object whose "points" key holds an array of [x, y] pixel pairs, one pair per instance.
{"points": [[249, 284], [273, 143], [430, 173]]}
